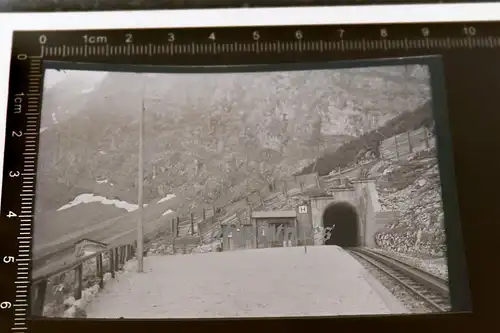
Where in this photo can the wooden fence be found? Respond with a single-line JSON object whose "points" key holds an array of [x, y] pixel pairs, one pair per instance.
{"points": [[116, 258], [406, 143]]}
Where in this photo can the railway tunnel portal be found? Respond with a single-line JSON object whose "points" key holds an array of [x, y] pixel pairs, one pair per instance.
{"points": [[342, 220], [355, 211]]}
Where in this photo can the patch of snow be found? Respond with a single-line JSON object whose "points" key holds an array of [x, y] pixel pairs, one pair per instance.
{"points": [[168, 197], [89, 197], [167, 212], [43, 129], [102, 181], [78, 306], [70, 312], [107, 277], [54, 119], [70, 301], [86, 91], [102, 152]]}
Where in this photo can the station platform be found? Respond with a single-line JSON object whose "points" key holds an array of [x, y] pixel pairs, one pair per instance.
{"points": [[274, 282]]}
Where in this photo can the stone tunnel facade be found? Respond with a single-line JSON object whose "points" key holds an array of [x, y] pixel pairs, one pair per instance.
{"points": [[358, 204]]}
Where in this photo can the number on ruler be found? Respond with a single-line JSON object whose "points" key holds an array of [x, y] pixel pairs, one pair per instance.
{"points": [[299, 35], [171, 37], [256, 35], [42, 39], [425, 32], [11, 214], [128, 38], [8, 259], [22, 56], [17, 134], [212, 36], [383, 33], [469, 31], [341, 33], [5, 305], [13, 174]]}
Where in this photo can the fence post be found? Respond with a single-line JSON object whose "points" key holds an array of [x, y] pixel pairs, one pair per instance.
{"points": [[100, 272], [79, 280], [397, 148], [39, 300], [409, 142], [173, 236], [112, 263], [122, 255], [426, 138], [177, 226], [117, 259], [113, 255], [203, 214], [191, 222]]}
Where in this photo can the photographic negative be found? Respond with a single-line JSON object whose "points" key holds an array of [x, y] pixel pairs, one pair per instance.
{"points": [[284, 191]]}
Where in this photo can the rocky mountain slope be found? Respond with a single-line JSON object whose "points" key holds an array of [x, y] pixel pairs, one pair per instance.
{"points": [[212, 137]]}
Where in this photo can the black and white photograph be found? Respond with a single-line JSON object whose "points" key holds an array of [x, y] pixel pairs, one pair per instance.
{"points": [[273, 193]]}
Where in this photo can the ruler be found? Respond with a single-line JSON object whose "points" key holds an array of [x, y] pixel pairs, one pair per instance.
{"points": [[259, 40]]}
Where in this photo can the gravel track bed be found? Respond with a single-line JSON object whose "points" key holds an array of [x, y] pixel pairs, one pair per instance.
{"points": [[437, 266], [402, 295]]}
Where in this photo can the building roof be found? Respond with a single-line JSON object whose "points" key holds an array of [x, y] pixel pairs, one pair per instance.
{"points": [[90, 241], [286, 214]]}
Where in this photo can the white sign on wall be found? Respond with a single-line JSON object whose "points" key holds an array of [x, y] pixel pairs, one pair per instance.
{"points": [[303, 209]]}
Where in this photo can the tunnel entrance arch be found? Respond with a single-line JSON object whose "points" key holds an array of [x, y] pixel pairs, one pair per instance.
{"points": [[343, 218]]}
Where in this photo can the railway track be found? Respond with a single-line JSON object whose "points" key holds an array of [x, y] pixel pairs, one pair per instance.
{"points": [[423, 286]]}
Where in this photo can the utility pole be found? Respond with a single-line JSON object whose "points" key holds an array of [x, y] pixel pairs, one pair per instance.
{"points": [[140, 183]]}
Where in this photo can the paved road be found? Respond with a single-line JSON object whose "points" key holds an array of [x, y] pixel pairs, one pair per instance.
{"points": [[265, 282]]}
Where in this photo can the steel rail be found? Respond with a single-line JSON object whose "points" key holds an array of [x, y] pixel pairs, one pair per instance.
{"points": [[411, 278]]}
